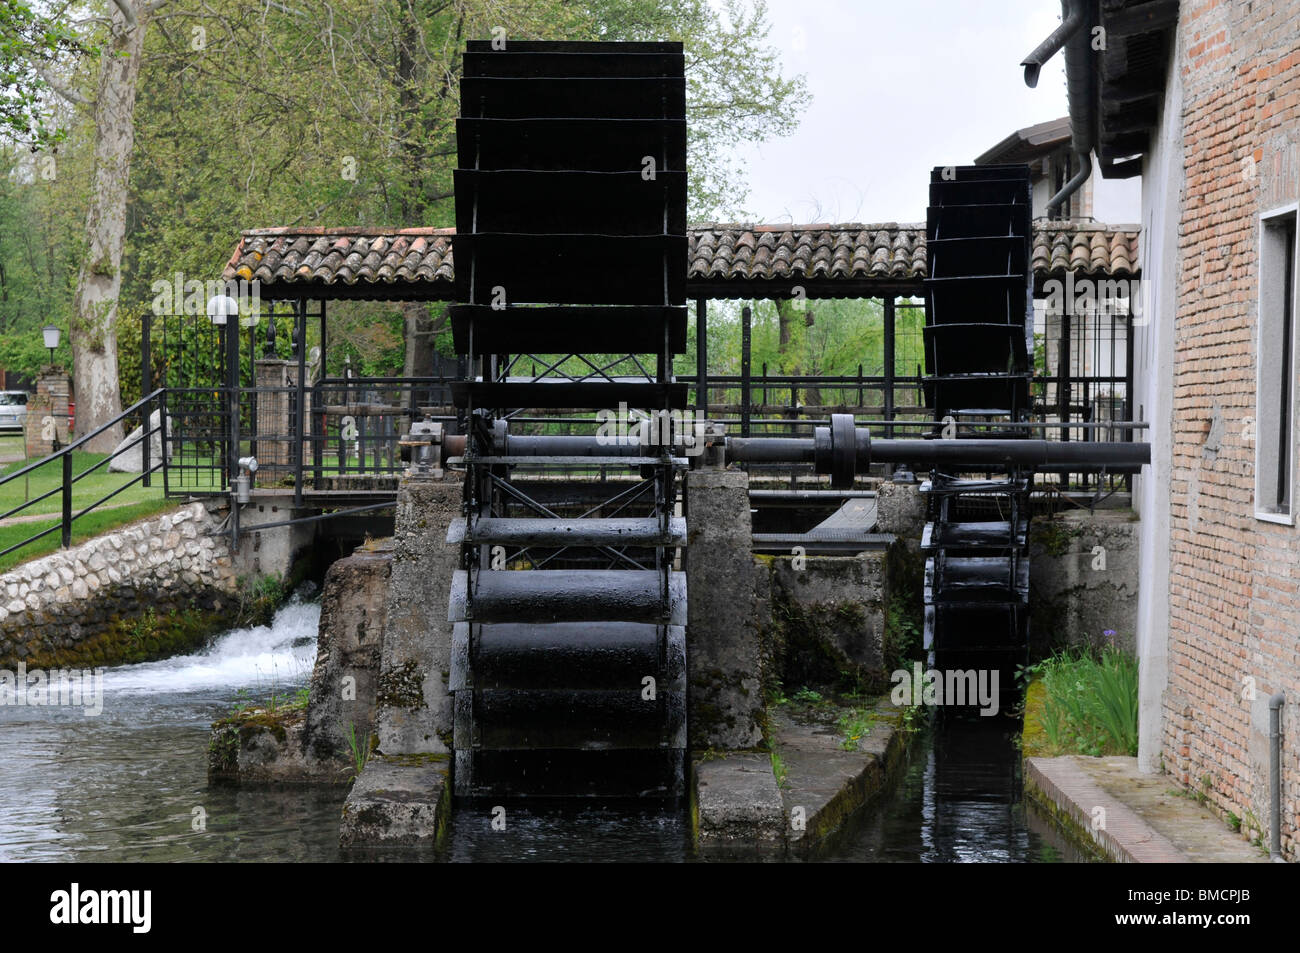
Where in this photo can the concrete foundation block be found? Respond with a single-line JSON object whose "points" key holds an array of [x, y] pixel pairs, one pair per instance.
{"points": [[341, 711], [404, 802], [900, 509], [737, 802]]}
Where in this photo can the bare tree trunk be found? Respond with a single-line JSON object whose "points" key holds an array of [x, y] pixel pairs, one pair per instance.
{"points": [[410, 75], [93, 334], [418, 331]]}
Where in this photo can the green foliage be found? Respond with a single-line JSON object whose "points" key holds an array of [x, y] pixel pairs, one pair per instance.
{"points": [[259, 597], [902, 639], [30, 46], [37, 259], [915, 717], [360, 750], [1091, 702], [901, 643], [736, 90], [310, 114], [855, 724], [779, 770], [843, 336]]}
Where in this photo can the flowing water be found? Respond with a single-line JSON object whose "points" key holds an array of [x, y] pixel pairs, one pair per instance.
{"points": [[130, 783], [958, 801]]}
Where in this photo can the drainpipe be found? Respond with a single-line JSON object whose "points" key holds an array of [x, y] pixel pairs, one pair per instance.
{"points": [[1075, 35], [1071, 20], [1084, 158], [1275, 771]]}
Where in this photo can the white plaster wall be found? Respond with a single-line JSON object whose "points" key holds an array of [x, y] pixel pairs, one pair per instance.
{"points": [[1153, 359]]}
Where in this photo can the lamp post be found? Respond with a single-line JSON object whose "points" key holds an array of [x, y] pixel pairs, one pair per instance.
{"points": [[223, 312], [51, 334]]}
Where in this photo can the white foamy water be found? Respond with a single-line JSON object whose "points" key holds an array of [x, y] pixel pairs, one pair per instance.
{"points": [[260, 658]]}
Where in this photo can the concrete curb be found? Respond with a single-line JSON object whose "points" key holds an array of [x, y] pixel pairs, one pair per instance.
{"points": [[737, 807], [1073, 799], [829, 783]]}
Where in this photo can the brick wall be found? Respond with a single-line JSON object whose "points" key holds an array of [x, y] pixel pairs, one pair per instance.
{"points": [[50, 402], [1234, 602]]}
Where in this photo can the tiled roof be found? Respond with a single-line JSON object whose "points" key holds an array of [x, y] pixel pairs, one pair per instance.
{"points": [[343, 256], [407, 262], [791, 252]]}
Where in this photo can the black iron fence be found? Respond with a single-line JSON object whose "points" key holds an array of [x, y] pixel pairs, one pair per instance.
{"points": [[309, 430]]}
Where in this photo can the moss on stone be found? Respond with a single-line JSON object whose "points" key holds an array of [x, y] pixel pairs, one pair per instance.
{"points": [[415, 760], [1033, 739], [904, 571], [401, 687], [1070, 829], [134, 638]]}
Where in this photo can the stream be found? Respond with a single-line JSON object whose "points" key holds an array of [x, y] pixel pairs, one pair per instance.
{"points": [[130, 784]]}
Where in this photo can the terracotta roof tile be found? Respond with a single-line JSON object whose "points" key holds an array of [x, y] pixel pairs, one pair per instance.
{"points": [[316, 258]]}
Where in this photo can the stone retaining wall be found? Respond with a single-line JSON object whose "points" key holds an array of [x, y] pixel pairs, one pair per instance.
{"points": [[145, 591]]}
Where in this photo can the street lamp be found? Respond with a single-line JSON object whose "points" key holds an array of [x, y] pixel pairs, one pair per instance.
{"points": [[220, 309], [51, 334], [223, 309]]}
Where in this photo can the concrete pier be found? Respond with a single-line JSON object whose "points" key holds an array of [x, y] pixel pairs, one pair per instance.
{"points": [[413, 705], [723, 659]]}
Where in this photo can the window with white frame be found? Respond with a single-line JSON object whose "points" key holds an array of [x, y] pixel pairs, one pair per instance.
{"points": [[1275, 386]]}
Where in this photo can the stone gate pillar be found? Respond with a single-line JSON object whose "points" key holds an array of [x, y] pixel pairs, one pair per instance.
{"points": [[274, 421], [47, 413]]}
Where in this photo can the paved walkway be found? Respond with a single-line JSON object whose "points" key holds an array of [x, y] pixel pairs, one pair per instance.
{"points": [[38, 517], [1138, 818]]}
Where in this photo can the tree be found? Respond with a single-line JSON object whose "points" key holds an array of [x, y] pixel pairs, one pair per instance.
{"points": [[30, 48], [735, 87], [94, 321], [212, 116]]}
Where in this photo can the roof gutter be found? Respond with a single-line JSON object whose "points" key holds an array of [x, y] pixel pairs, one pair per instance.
{"points": [[1074, 34]]}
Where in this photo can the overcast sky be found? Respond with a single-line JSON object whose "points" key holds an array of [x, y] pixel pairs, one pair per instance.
{"points": [[898, 87]]}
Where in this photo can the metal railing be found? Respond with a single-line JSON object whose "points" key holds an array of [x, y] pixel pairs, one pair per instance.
{"points": [[63, 459]]}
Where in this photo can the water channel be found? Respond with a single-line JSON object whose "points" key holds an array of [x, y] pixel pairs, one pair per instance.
{"points": [[130, 784]]}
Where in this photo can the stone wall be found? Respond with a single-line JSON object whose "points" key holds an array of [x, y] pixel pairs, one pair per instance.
{"points": [[1083, 579], [826, 621], [141, 592], [321, 745], [379, 686]]}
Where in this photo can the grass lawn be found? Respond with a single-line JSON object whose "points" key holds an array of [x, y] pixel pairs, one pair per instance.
{"points": [[133, 503], [85, 491]]}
